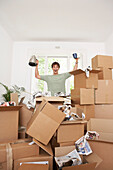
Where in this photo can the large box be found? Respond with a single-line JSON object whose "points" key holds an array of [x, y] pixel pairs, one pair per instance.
{"points": [[105, 151], [45, 122], [104, 93], [70, 131], [56, 101], [9, 123], [105, 74], [88, 110], [82, 96], [104, 111], [102, 61], [81, 81], [13, 151], [103, 126], [90, 165]]}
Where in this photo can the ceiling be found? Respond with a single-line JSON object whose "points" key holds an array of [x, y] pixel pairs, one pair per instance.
{"points": [[57, 20]]}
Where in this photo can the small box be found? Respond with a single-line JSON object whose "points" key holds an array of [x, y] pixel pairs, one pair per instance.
{"points": [[14, 98], [9, 123], [70, 131], [45, 122], [82, 96], [102, 61], [55, 101], [105, 74], [104, 93], [82, 81]]}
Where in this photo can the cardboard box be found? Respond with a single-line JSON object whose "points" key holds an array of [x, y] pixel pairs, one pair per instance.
{"points": [[102, 61], [92, 161], [9, 123], [56, 101], [105, 151], [104, 111], [81, 81], [25, 115], [70, 131], [19, 150], [67, 144], [42, 157], [82, 96], [3, 166], [14, 98], [105, 74], [88, 110], [104, 93], [45, 122], [103, 126]]}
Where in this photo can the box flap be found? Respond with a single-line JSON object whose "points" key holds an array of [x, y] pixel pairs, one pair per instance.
{"points": [[64, 150], [50, 99], [21, 101], [93, 158], [10, 108], [46, 148], [76, 72]]}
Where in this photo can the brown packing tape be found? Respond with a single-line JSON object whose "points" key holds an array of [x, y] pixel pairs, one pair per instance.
{"points": [[9, 157]]}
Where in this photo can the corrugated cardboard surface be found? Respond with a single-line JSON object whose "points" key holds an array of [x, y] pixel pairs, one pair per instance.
{"points": [[104, 93], [41, 157], [103, 126], [104, 111], [33, 167], [45, 122], [19, 150], [9, 123], [3, 166], [82, 96], [88, 110], [105, 151], [24, 115], [70, 132], [105, 74], [102, 61]]}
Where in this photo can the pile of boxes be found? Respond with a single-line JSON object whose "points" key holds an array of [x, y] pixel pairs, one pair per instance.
{"points": [[44, 133]]}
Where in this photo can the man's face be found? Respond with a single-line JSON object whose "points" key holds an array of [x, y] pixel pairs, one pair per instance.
{"points": [[55, 69]]}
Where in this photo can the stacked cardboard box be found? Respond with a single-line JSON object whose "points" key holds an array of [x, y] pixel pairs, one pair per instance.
{"points": [[83, 94]]}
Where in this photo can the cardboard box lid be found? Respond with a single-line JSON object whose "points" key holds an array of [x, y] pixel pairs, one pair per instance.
{"points": [[79, 71], [50, 99], [45, 122], [46, 148], [10, 108], [32, 166]]}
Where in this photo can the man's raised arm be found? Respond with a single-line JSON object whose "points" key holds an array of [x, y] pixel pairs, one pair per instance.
{"points": [[36, 71]]}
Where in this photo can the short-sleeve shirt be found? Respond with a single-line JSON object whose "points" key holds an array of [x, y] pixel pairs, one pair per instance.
{"points": [[56, 83]]}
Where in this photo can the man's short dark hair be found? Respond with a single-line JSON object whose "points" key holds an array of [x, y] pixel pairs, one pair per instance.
{"points": [[55, 63]]}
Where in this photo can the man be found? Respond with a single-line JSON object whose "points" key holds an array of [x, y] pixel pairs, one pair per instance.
{"points": [[55, 82]]}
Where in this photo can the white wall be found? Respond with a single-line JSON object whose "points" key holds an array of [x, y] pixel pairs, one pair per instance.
{"points": [[109, 45], [6, 51], [21, 71]]}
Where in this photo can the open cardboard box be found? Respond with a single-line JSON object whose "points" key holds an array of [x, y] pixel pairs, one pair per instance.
{"points": [[56, 101], [92, 161], [45, 122], [81, 81], [9, 123], [103, 126], [45, 154], [82, 96], [105, 74], [70, 131]]}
